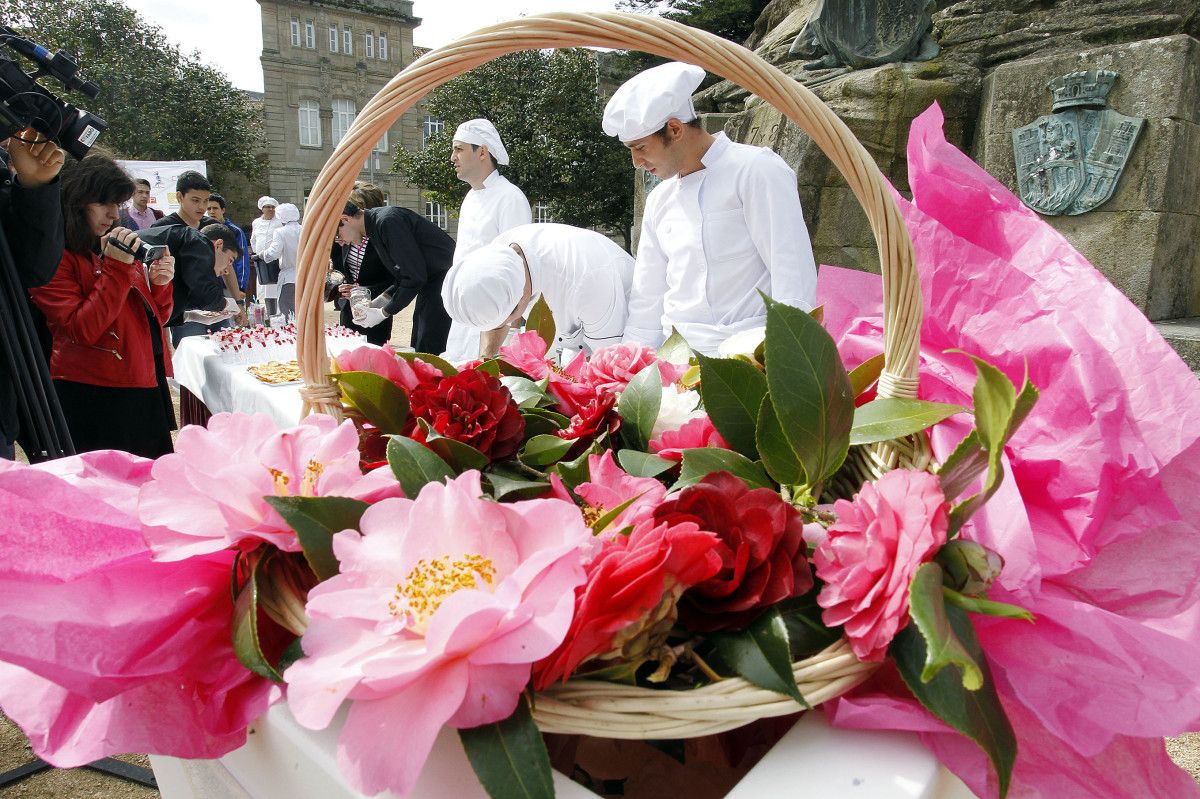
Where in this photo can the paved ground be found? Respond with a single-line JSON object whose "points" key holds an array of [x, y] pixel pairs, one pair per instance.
{"points": [[85, 784]]}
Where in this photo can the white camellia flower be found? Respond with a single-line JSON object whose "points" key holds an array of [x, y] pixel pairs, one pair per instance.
{"points": [[676, 409], [743, 343]]}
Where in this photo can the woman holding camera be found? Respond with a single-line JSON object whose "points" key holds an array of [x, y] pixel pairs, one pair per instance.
{"points": [[105, 311]]}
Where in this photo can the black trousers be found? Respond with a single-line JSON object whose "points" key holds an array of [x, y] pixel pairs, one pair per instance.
{"points": [[431, 323]]}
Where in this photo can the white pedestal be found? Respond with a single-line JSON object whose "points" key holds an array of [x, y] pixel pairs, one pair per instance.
{"points": [[281, 760]]}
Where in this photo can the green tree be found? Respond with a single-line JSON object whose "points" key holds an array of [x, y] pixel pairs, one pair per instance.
{"points": [[159, 103], [547, 107], [730, 19]]}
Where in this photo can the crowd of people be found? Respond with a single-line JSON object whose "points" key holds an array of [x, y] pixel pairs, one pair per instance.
{"points": [[724, 225]]}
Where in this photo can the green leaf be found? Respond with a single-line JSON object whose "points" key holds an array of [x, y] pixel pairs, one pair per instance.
{"points": [[491, 367], [508, 370], [809, 390], [760, 654], [379, 400], [577, 470], [510, 487], [778, 457], [415, 465], [927, 607], [436, 361], [865, 374], [976, 714], [460, 456], [675, 349], [316, 520], [557, 418], [968, 567], [639, 405], [544, 450], [968, 461], [604, 521], [643, 464], [987, 607], [525, 392], [245, 626], [733, 392], [702, 461], [537, 425], [891, 418], [509, 757], [541, 321], [807, 634]]}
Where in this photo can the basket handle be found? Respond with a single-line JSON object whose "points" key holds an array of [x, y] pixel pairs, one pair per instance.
{"points": [[901, 289]]}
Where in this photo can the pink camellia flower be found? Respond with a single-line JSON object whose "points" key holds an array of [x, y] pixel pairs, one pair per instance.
{"points": [[424, 630], [383, 361], [208, 494], [698, 432], [568, 384], [628, 604], [609, 486], [867, 561], [612, 367]]}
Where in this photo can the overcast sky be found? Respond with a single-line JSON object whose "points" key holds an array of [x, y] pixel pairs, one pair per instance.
{"points": [[238, 30]]}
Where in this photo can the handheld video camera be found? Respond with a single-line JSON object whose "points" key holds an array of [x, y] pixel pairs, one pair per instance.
{"points": [[26, 104], [146, 253]]}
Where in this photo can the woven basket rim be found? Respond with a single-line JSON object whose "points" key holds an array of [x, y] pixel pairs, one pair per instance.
{"points": [[590, 707]]}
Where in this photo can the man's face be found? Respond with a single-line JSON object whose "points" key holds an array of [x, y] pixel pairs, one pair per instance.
{"points": [[268, 212], [470, 164], [141, 196], [660, 157], [224, 259], [216, 211], [192, 205], [353, 228]]}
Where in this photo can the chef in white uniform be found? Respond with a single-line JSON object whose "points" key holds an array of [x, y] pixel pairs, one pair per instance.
{"points": [[261, 232], [724, 224], [583, 276], [492, 206]]}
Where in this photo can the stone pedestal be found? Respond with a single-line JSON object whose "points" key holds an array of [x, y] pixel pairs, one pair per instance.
{"points": [[1146, 237]]}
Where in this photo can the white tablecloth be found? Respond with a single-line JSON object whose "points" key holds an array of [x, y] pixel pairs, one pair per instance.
{"points": [[229, 387], [282, 760]]}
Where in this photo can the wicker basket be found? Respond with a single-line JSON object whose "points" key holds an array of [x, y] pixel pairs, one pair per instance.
{"points": [[599, 708]]}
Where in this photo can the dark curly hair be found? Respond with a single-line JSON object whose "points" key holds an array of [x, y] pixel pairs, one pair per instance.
{"points": [[97, 178]]}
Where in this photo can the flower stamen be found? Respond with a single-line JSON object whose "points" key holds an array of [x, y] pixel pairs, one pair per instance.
{"points": [[430, 583]]}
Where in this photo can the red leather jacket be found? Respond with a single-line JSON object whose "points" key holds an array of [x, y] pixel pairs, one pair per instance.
{"points": [[96, 310]]}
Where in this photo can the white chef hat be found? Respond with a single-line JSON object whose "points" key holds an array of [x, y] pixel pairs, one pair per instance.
{"points": [[265, 200], [288, 212], [482, 132], [646, 101], [483, 289]]}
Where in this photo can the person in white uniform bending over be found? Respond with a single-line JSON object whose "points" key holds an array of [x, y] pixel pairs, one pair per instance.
{"points": [[724, 224], [492, 206], [584, 277]]}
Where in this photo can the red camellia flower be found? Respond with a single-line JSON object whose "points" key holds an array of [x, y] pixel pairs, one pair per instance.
{"points": [[628, 603], [598, 415], [761, 548], [472, 407]]}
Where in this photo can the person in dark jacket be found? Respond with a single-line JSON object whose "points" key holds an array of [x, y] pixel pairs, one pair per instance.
{"points": [[31, 217], [105, 313], [418, 254], [362, 266]]}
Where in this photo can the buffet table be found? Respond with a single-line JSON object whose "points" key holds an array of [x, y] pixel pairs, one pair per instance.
{"points": [[224, 386], [282, 760]]}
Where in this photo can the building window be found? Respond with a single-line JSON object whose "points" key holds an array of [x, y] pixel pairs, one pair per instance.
{"points": [[310, 123], [333, 38], [295, 32], [382, 145], [310, 34], [370, 44], [343, 117], [436, 214], [383, 47], [347, 41], [429, 127], [541, 212]]}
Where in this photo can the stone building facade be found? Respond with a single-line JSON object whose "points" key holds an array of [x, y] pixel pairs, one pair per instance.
{"points": [[322, 62]]}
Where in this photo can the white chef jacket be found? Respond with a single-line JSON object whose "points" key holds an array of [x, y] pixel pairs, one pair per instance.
{"points": [[583, 275], [285, 247], [261, 231], [485, 214], [712, 240]]}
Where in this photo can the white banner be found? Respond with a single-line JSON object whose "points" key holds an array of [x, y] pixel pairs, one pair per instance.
{"points": [[162, 176]]}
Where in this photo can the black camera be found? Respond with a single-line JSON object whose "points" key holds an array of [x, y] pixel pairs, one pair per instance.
{"points": [[26, 104], [146, 253]]}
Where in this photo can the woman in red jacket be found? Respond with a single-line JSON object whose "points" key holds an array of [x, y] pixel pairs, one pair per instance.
{"points": [[105, 312]]}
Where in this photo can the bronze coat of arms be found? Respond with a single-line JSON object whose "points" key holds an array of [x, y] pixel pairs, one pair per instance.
{"points": [[1069, 161]]}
